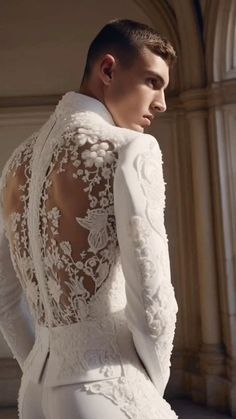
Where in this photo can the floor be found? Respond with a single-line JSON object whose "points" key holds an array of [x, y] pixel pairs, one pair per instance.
{"points": [[184, 408]]}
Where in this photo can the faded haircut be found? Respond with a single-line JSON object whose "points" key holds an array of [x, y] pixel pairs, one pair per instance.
{"points": [[125, 38]]}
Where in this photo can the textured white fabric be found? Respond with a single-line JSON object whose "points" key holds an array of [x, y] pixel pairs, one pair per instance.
{"points": [[83, 211], [66, 402]]}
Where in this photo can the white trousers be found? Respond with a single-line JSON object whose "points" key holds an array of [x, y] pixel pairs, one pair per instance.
{"points": [[66, 402]]}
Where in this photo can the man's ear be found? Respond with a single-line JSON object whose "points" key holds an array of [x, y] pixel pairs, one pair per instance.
{"points": [[107, 67]]}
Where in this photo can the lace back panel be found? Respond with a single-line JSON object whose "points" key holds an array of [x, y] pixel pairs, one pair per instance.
{"points": [[77, 225]]}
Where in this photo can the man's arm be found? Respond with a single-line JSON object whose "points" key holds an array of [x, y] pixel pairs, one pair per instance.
{"points": [[139, 197], [16, 322]]}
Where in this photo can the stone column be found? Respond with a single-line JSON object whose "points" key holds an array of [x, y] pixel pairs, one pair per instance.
{"points": [[211, 356], [222, 128]]}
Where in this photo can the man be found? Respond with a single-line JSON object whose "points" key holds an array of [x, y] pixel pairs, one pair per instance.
{"points": [[131, 79], [83, 214]]}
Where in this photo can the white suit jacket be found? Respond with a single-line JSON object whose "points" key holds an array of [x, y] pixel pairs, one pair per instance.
{"points": [[84, 262]]}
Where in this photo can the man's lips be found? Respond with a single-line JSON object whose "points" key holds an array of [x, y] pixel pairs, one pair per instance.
{"points": [[148, 119]]}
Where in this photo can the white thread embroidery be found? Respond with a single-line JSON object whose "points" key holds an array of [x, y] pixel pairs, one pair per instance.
{"points": [[160, 306], [149, 171]]}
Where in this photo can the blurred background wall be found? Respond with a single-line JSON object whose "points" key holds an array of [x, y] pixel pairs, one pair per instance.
{"points": [[43, 46]]}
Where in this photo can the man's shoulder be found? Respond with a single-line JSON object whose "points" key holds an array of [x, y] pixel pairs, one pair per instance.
{"points": [[138, 143], [90, 127]]}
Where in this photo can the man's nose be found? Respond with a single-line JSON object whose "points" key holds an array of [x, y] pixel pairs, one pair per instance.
{"points": [[159, 104]]}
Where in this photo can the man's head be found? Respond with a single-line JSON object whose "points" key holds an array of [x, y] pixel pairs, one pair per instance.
{"points": [[127, 69]]}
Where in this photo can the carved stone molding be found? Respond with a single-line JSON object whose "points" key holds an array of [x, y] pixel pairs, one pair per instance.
{"points": [[194, 99], [222, 93], [34, 116], [26, 110], [24, 101], [215, 94]]}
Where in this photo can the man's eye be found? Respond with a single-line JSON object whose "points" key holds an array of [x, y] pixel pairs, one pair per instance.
{"points": [[152, 82]]}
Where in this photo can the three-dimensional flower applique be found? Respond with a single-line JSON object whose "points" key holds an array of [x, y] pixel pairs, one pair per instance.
{"points": [[149, 168], [161, 309], [150, 174], [98, 155]]}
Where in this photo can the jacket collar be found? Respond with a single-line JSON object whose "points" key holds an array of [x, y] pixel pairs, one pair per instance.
{"points": [[73, 102]]}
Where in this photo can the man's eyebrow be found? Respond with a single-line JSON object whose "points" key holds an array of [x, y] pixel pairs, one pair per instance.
{"points": [[157, 76]]}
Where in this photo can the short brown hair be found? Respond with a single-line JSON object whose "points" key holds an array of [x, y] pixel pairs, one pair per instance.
{"points": [[125, 38]]}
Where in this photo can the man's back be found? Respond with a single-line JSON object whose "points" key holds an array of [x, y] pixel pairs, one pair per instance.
{"points": [[70, 194]]}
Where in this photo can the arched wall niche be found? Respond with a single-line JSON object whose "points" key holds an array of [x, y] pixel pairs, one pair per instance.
{"points": [[220, 37], [177, 20], [192, 65], [162, 17]]}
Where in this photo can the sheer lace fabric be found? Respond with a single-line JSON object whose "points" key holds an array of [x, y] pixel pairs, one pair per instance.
{"points": [[78, 226]]}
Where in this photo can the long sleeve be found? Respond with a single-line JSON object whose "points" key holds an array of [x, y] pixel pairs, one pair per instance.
{"points": [[139, 199], [16, 322]]}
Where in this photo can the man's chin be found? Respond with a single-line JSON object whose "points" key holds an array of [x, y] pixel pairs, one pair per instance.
{"points": [[140, 129], [137, 128], [133, 126]]}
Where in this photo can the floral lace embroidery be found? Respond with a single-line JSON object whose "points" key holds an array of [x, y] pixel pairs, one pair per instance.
{"points": [[87, 168], [150, 175], [71, 277], [160, 306], [131, 398]]}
